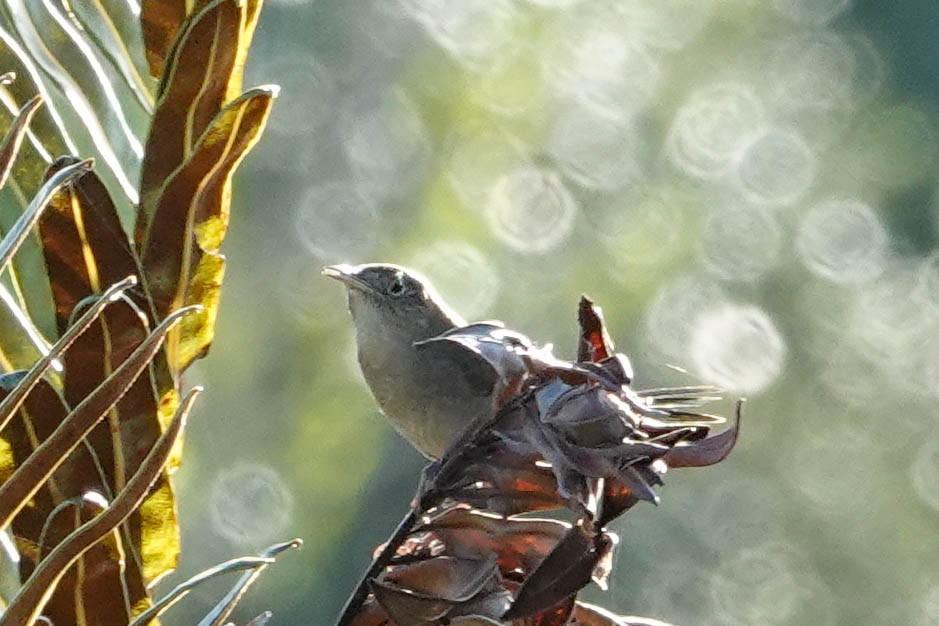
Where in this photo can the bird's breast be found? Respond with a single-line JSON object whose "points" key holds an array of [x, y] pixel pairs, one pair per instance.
{"points": [[429, 403]]}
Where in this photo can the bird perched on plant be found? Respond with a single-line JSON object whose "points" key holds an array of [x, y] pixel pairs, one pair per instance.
{"points": [[429, 386]]}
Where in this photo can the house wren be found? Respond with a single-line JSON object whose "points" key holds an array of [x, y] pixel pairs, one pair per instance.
{"points": [[430, 393]]}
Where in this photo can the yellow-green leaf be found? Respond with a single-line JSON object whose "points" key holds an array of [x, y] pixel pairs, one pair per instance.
{"points": [[178, 249]]}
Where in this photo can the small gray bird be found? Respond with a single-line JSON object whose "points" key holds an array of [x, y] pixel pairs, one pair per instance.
{"points": [[430, 389]]}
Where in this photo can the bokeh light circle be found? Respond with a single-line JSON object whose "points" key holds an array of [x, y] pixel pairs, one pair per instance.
{"points": [[470, 31], [668, 320], [741, 242], [811, 12], [814, 70], [594, 64], [929, 279], [737, 347], [842, 241], [712, 128], [338, 221], [776, 168], [531, 210], [386, 144], [924, 472], [249, 504], [462, 274], [766, 584], [594, 151]]}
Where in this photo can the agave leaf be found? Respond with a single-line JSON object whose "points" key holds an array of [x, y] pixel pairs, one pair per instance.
{"points": [[182, 590], [66, 56], [57, 513], [113, 26], [226, 605], [14, 137], [37, 590], [48, 133], [53, 450], [20, 340], [193, 90], [84, 245], [13, 239], [162, 20], [97, 578], [24, 385], [52, 467], [178, 247]]}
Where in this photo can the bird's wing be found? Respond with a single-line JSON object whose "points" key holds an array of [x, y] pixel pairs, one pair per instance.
{"points": [[478, 374], [490, 357]]}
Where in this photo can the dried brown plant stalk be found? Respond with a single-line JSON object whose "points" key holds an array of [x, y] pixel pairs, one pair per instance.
{"points": [[574, 436]]}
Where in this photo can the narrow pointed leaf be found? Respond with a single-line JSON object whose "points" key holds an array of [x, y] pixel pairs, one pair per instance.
{"points": [[221, 611], [595, 343], [162, 20], [15, 237], [83, 242], [182, 590], [189, 218], [591, 615], [14, 137], [48, 134], [192, 92], [709, 450], [565, 571], [12, 402], [35, 470], [76, 71], [37, 590], [114, 28]]}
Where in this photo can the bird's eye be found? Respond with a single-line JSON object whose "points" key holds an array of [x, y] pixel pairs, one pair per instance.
{"points": [[397, 286]]}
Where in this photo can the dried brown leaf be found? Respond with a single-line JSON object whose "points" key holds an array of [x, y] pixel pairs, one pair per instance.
{"points": [[564, 572], [595, 343]]}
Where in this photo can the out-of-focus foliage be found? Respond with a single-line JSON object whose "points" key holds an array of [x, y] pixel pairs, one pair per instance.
{"points": [[86, 452], [747, 186]]}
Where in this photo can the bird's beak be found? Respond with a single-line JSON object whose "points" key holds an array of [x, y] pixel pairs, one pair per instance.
{"points": [[348, 275]]}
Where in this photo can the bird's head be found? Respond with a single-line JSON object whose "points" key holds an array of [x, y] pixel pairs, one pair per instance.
{"points": [[394, 297]]}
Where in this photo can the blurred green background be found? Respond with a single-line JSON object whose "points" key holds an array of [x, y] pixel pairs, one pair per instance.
{"points": [[748, 188]]}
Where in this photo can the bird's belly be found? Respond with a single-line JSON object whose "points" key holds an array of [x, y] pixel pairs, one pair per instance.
{"points": [[429, 420]]}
